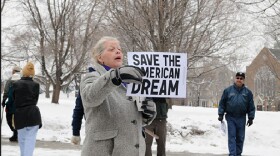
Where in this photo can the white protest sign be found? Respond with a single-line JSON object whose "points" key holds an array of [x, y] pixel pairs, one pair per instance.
{"points": [[166, 74]]}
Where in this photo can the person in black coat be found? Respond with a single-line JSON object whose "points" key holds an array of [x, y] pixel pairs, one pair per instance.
{"points": [[27, 118]]}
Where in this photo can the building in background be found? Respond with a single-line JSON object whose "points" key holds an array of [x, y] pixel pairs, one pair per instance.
{"points": [[263, 79], [207, 90]]}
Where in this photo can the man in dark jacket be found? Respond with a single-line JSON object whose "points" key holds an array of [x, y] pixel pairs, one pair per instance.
{"points": [[78, 113], [9, 112], [236, 102], [158, 126]]}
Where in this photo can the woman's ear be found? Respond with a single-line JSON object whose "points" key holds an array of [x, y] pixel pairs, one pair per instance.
{"points": [[99, 59]]}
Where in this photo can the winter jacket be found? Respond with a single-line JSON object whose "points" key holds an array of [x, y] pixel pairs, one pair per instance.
{"points": [[26, 94], [10, 106], [113, 123], [162, 108], [237, 102], [7, 86]]}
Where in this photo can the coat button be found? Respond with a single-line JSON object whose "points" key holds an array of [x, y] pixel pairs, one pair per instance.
{"points": [[137, 146], [129, 98], [134, 122]]}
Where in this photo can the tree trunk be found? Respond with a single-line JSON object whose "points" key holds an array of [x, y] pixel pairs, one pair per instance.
{"points": [[56, 93], [48, 84]]}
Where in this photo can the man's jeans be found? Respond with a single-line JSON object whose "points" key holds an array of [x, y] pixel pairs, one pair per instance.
{"points": [[27, 140], [236, 134]]}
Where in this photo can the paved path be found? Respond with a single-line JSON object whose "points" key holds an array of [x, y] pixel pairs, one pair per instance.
{"points": [[67, 146], [46, 144]]}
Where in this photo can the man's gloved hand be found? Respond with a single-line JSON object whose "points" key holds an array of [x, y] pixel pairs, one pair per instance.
{"points": [[76, 140], [149, 112], [3, 103], [220, 118], [250, 122], [128, 74]]}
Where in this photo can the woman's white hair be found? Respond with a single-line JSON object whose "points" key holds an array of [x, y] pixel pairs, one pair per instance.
{"points": [[99, 47]]}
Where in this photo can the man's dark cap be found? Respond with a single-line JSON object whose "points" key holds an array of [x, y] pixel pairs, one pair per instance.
{"points": [[240, 74]]}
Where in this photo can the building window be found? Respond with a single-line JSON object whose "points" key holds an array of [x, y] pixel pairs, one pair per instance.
{"points": [[264, 83]]}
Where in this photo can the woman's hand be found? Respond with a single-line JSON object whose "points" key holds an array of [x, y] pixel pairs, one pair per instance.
{"points": [[128, 74]]}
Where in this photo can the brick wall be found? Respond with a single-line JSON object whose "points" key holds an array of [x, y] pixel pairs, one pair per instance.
{"points": [[264, 58]]}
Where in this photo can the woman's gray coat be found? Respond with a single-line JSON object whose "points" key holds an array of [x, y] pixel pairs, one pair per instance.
{"points": [[113, 123]]}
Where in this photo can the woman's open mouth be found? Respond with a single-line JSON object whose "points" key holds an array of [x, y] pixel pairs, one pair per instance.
{"points": [[118, 58]]}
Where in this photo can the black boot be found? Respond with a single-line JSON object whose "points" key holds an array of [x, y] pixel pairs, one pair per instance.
{"points": [[14, 138]]}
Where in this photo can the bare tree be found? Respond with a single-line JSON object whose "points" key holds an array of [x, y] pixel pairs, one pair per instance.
{"points": [[202, 29], [259, 6], [3, 2], [65, 32], [267, 12]]}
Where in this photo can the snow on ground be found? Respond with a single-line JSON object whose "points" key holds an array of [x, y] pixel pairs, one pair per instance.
{"points": [[192, 129], [15, 151]]}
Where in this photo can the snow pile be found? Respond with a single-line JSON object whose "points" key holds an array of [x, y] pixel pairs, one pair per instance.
{"points": [[192, 129]]}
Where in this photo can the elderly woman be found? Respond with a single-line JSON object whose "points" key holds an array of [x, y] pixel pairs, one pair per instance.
{"points": [[113, 122]]}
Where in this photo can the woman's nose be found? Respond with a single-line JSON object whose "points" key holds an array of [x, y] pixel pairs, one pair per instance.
{"points": [[118, 51]]}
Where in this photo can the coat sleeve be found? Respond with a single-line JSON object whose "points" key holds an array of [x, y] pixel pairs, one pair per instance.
{"points": [[6, 89], [78, 114], [251, 106], [95, 88], [222, 103], [37, 92]]}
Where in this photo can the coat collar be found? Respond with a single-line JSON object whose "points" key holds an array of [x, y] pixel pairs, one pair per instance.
{"points": [[27, 78], [99, 68], [238, 88]]}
